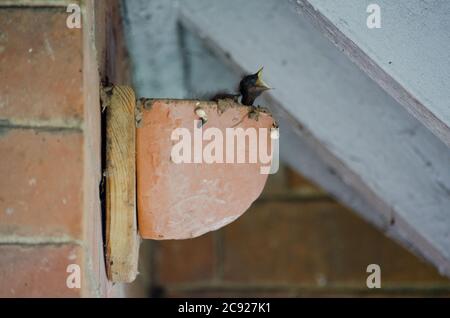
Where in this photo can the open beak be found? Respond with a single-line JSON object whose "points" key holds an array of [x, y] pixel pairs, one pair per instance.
{"points": [[259, 82]]}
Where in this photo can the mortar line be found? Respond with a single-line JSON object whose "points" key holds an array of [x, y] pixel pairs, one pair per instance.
{"points": [[219, 255], [227, 286], [46, 128], [36, 4], [36, 241]]}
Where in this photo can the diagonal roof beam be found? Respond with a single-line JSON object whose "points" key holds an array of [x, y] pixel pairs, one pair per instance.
{"points": [[408, 56]]}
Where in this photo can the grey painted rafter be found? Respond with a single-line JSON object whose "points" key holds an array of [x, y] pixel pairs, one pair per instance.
{"points": [[376, 149]]}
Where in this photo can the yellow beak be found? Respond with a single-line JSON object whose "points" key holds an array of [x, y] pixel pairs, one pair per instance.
{"points": [[259, 81]]}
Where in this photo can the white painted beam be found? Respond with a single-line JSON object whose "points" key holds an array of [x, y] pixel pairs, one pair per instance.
{"points": [[408, 55]]}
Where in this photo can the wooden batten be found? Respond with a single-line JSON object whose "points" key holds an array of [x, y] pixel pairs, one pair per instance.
{"points": [[122, 240]]}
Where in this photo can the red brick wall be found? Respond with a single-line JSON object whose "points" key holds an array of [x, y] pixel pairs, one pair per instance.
{"points": [[50, 163]]}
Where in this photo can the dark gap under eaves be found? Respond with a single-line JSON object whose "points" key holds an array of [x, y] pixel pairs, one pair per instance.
{"points": [[102, 185]]}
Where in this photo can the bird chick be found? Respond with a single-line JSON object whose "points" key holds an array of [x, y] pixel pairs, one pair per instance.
{"points": [[251, 86]]}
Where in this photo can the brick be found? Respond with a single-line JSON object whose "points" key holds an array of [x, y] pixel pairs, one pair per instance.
{"points": [[289, 292], [106, 61], [227, 292], [315, 244], [99, 63], [276, 184], [95, 260], [185, 261], [110, 43], [38, 271], [302, 186], [41, 66], [288, 184], [41, 183]]}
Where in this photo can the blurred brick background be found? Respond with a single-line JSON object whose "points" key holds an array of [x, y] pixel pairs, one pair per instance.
{"points": [[294, 241]]}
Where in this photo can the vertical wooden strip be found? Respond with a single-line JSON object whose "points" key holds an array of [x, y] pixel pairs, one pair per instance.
{"points": [[122, 241]]}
